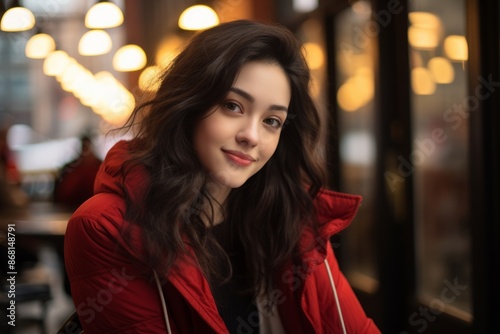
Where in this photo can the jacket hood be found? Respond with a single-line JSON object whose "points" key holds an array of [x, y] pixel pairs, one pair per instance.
{"points": [[334, 210], [116, 178]]}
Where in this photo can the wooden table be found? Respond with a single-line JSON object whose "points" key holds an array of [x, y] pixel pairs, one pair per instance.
{"points": [[43, 219]]}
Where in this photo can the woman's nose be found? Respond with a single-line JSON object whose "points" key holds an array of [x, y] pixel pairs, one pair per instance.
{"points": [[249, 133]]}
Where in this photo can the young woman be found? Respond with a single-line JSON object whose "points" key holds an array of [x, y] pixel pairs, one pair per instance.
{"points": [[213, 218]]}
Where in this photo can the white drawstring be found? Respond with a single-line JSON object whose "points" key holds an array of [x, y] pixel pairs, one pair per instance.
{"points": [[163, 304], [336, 297]]}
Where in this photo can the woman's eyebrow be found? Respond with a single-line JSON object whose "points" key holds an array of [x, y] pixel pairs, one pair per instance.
{"points": [[250, 98], [243, 94]]}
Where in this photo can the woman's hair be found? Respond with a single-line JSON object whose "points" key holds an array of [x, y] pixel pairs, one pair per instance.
{"points": [[271, 209]]}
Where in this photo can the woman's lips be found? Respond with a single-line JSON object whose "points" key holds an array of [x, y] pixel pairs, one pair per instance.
{"points": [[239, 158]]}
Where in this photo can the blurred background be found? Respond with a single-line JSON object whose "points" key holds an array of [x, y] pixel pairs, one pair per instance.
{"points": [[409, 95]]}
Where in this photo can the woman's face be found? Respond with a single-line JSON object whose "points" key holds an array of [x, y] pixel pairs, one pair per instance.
{"points": [[239, 136]]}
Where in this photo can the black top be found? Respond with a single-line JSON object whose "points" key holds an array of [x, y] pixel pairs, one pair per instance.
{"points": [[235, 303]]}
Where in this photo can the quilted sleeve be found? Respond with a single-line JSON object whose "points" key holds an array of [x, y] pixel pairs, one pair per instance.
{"points": [[110, 291]]}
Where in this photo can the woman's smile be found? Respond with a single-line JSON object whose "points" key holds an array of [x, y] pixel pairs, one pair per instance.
{"points": [[239, 158]]}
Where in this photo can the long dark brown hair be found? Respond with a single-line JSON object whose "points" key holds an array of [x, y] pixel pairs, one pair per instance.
{"points": [[271, 209]]}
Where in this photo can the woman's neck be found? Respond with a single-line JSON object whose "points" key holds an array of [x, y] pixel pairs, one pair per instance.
{"points": [[217, 205]]}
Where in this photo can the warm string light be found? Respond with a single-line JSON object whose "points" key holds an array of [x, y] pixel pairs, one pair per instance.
{"points": [[102, 92], [425, 33], [103, 15], [425, 30], [455, 48], [40, 46], [55, 63], [198, 17], [94, 43], [17, 18], [149, 80], [422, 81], [357, 91], [314, 55], [129, 58], [168, 49], [441, 70]]}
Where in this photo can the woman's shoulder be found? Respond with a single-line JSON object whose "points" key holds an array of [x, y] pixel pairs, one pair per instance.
{"points": [[105, 210], [100, 223], [98, 234]]}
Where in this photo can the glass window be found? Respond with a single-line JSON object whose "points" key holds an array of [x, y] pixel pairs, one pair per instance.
{"points": [[312, 35], [439, 158], [355, 104]]}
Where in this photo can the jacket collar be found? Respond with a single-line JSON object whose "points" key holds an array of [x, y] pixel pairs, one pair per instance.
{"points": [[334, 212]]}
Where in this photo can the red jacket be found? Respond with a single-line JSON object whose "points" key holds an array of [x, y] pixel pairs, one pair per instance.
{"points": [[114, 293]]}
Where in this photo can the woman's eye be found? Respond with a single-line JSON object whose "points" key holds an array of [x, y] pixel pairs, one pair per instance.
{"points": [[275, 123], [231, 106]]}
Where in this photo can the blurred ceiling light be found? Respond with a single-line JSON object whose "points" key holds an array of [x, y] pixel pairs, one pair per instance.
{"points": [[357, 90], [103, 14], [422, 82], [62, 73], [17, 18], [55, 62], [114, 102], [89, 92], [349, 64], [168, 49], [363, 81], [94, 43], [424, 31], [346, 97], [424, 19], [314, 55], [106, 83], [423, 38], [198, 17], [105, 77], [129, 58], [71, 75], [455, 47], [84, 85], [441, 70], [118, 106], [361, 8], [165, 57], [304, 6], [149, 80], [39, 46]]}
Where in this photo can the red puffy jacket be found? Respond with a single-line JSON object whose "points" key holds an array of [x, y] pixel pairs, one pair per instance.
{"points": [[114, 293]]}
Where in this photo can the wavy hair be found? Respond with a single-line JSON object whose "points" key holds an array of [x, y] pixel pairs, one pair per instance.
{"points": [[271, 209]]}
